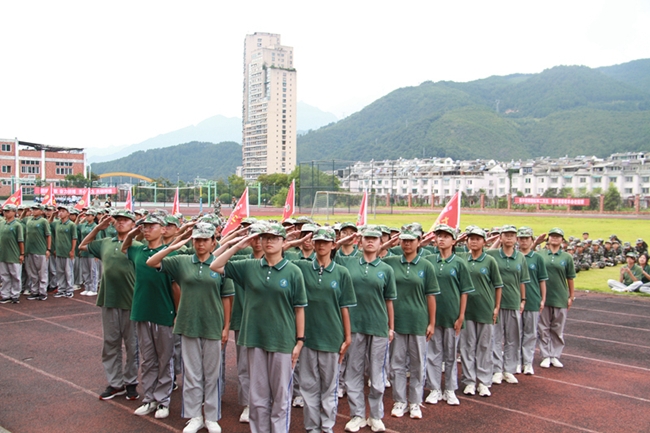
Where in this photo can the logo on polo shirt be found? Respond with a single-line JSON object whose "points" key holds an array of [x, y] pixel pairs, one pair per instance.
{"points": [[284, 283], [532, 266], [562, 263], [519, 266], [380, 275], [334, 284], [421, 273], [452, 272], [484, 271], [214, 274]]}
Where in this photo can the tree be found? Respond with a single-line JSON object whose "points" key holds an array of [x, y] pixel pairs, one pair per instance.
{"points": [[612, 198], [79, 181], [237, 185]]}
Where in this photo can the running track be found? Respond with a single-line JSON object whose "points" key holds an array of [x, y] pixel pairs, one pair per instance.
{"points": [[50, 376]]}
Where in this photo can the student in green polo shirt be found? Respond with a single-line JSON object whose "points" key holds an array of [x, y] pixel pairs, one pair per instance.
{"points": [[65, 241], [273, 325], [154, 311], [455, 285], [483, 307], [202, 322], [327, 331], [37, 251], [507, 332], [87, 260], [347, 246], [535, 298], [631, 276], [559, 298], [115, 298], [415, 320], [304, 245], [372, 330], [12, 255]]}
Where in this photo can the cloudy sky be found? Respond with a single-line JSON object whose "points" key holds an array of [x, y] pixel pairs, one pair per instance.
{"points": [[99, 74]]}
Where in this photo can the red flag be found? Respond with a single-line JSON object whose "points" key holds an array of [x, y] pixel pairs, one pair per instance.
{"points": [[450, 215], [49, 199], [129, 201], [290, 203], [15, 198], [85, 200], [176, 208], [362, 219], [238, 213]]}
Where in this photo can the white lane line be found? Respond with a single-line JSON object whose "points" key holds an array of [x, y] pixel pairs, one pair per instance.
{"points": [[86, 391], [591, 388], [618, 364], [608, 324], [56, 324], [52, 317], [607, 341], [644, 316], [527, 414]]}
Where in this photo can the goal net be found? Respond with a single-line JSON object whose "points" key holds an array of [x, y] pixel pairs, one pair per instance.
{"points": [[339, 205]]}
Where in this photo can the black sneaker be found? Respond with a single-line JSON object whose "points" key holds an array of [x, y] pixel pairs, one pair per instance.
{"points": [[111, 392], [42, 298], [5, 300], [33, 297], [59, 294], [69, 295], [15, 301], [132, 392]]}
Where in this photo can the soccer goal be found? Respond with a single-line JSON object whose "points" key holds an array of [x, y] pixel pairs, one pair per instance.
{"points": [[330, 203]]}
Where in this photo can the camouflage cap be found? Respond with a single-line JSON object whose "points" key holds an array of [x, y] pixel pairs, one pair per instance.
{"points": [[288, 222], [37, 206], [258, 227], [73, 210], [304, 220], [371, 231], [580, 244], [631, 254], [384, 229], [249, 220], [525, 232], [141, 212], [410, 231], [50, 207], [508, 229], [639, 241], [21, 207], [92, 212], [349, 224], [445, 228], [153, 218], [394, 230], [202, 230], [337, 227], [597, 242], [608, 242], [276, 230], [62, 206], [556, 231], [125, 213], [571, 238], [170, 219], [476, 231], [626, 244], [570, 247], [588, 241], [10, 207], [311, 228], [325, 234]]}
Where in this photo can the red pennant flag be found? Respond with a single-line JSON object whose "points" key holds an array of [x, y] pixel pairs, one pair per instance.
{"points": [[176, 207], [450, 215], [49, 199], [85, 200], [290, 203], [362, 219], [129, 201], [238, 214], [15, 198]]}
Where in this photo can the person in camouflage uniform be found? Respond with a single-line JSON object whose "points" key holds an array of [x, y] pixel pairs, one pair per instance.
{"points": [[641, 247], [627, 248], [582, 259], [571, 249], [618, 252], [597, 256], [609, 254]]}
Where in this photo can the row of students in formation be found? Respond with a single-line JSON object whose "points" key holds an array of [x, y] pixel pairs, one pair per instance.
{"points": [[324, 309]]}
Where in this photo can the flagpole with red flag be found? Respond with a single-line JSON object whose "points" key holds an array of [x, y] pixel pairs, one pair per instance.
{"points": [[290, 203], [85, 200], [129, 201], [16, 198], [238, 214], [362, 218], [450, 214], [49, 199], [176, 208]]}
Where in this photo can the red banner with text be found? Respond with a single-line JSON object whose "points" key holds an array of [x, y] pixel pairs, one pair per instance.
{"points": [[75, 191], [553, 201]]}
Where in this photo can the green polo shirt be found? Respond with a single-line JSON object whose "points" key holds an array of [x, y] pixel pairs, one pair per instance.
{"points": [[374, 284], [36, 232], [559, 267], [328, 290], [636, 271], [237, 303], [454, 280], [152, 293], [64, 233], [272, 293], [298, 255], [354, 252], [11, 234], [486, 278], [200, 310], [514, 272], [118, 276], [109, 232], [414, 281], [647, 271], [83, 229], [537, 273]]}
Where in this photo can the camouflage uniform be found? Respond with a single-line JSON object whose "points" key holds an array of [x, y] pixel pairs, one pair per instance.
{"points": [[597, 257], [582, 258]]}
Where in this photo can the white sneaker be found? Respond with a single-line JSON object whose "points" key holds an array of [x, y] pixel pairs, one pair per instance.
{"points": [[145, 409], [399, 409], [376, 424], [451, 398], [212, 426], [497, 378], [442, 369], [89, 293], [556, 363], [244, 417], [470, 390], [355, 424], [193, 425], [546, 363], [298, 402], [528, 369], [83, 293], [162, 412], [483, 390], [510, 378], [434, 396], [387, 384], [340, 393], [518, 369], [415, 411]]}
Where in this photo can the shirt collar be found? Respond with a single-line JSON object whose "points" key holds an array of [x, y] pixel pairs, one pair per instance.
{"points": [[530, 254], [479, 259], [328, 268], [195, 259], [447, 260], [415, 260], [503, 254], [375, 262], [281, 264]]}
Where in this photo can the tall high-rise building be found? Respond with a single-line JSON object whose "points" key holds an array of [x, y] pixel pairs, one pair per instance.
{"points": [[269, 107]]}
